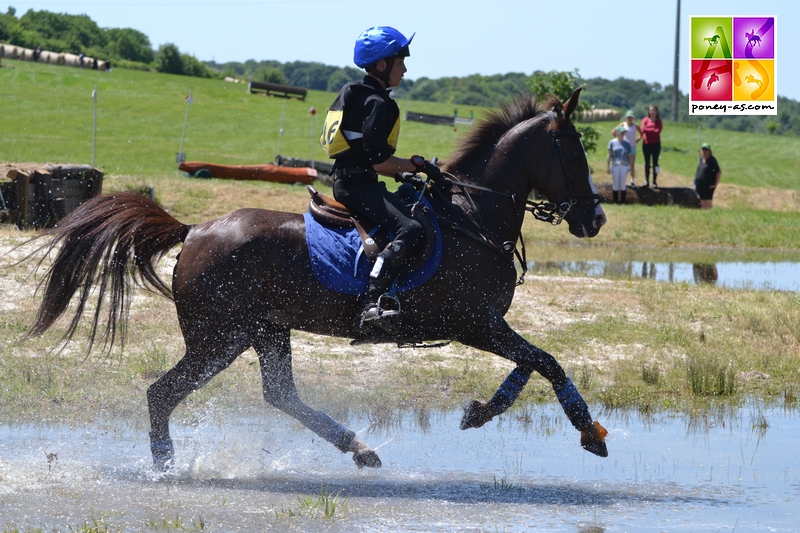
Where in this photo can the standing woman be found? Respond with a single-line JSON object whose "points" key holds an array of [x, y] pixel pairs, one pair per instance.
{"points": [[633, 134], [707, 176], [618, 160], [651, 143]]}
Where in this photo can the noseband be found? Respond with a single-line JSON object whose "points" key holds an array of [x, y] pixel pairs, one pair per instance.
{"points": [[549, 211]]}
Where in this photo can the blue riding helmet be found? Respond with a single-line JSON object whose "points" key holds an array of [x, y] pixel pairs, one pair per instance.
{"points": [[380, 42]]}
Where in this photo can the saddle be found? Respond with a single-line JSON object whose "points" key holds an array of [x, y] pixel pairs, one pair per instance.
{"points": [[329, 212]]}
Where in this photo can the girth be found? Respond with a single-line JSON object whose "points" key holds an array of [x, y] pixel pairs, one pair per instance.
{"points": [[329, 212]]}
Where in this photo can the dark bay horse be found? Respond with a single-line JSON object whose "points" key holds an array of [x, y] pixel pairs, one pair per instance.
{"points": [[245, 279]]}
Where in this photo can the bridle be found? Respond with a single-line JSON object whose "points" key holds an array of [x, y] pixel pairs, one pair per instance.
{"points": [[549, 212]]}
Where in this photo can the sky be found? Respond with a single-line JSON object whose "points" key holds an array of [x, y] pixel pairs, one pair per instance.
{"points": [[629, 38]]}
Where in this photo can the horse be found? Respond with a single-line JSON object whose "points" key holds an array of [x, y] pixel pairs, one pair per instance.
{"points": [[752, 38], [752, 79], [246, 280]]}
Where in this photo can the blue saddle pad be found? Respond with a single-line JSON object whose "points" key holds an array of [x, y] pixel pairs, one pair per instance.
{"points": [[339, 262]]}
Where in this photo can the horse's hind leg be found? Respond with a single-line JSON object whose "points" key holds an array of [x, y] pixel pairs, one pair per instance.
{"points": [[272, 343], [204, 359]]}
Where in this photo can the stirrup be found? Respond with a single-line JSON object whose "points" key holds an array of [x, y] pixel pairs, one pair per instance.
{"points": [[380, 312], [382, 317]]}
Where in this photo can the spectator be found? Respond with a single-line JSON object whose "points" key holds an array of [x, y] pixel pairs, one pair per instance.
{"points": [[631, 129], [707, 176], [618, 160], [37, 53], [80, 59], [651, 143]]}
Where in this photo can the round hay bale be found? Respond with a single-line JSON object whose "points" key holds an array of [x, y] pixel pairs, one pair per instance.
{"points": [[25, 54], [71, 60], [61, 59], [10, 51], [48, 57]]}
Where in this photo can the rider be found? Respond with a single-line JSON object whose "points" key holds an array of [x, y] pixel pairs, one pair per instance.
{"points": [[360, 133]]}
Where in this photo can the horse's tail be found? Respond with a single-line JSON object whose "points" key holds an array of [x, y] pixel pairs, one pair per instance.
{"points": [[102, 242]]}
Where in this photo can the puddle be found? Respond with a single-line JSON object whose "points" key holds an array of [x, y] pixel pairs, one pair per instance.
{"points": [[729, 471], [759, 276], [730, 269]]}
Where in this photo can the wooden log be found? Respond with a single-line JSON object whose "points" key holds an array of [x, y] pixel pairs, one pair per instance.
{"points": [[680, 196], [430, 119], [250, 172], [323, 168], [275, 89]]}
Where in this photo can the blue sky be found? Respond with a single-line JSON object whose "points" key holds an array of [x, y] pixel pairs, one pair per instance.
{"points": [[629, 38]]}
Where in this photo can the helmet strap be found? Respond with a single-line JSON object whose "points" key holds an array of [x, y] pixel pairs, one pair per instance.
{"points": [[384, 74]]}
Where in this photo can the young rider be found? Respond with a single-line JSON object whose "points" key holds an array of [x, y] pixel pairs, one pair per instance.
{"points": [[360, 133]]}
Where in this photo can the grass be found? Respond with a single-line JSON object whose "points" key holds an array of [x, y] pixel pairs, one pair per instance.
{"points": [[322, 505], [628, 344]]}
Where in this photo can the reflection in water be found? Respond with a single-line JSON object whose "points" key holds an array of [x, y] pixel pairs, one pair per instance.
{"points": [[704, 273], [782, 276]]}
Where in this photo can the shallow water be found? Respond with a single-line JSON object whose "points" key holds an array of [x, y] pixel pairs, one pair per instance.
{"points": [[737, 470], [782, 275]]}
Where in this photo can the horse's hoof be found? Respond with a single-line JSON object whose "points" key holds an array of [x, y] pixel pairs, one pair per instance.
{"points": [[475, 415], [367, 458], [593, 441], [163, 453]]}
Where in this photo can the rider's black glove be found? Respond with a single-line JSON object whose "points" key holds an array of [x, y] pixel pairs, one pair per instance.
{"points": [[432, 171]]}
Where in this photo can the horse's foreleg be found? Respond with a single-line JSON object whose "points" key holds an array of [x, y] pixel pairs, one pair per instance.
{"points": [[275, 356], [197, 367], [509, 344]]}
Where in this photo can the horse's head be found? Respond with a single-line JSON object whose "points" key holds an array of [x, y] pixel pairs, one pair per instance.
{"points": [[522, 147], [567, 180]]}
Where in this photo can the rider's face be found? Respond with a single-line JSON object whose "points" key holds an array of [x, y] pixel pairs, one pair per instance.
{"points": [[396, 74]]}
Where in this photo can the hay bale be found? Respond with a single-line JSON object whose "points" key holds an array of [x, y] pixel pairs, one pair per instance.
{"points": [[71, 60], [48, 57], [25, 54], [596, 115], [9, 51]]}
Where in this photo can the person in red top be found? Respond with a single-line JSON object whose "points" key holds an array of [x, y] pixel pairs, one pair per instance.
{"points": [[651, 143]]}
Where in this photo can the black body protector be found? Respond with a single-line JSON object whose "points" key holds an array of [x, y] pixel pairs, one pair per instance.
{"points": [[361, 129]]}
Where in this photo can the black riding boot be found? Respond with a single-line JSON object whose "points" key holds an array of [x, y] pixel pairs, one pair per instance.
{"points": [[380, 309], [616, 196], [622, 196], [655, 175]]}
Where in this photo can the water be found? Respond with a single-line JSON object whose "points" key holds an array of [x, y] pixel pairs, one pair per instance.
{"points": [[781, 276], [732, 470]]}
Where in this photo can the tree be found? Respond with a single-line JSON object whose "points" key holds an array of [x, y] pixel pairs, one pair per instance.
{"points": [[270, 75], [562, 85], [168, 59], [129, 44]]}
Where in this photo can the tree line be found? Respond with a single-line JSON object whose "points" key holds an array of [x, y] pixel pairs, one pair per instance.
{"points": [[129, 48], [125, 47]]}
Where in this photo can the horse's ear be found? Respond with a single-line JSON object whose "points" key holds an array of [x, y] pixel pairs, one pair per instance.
{"points": [[572, 103]]}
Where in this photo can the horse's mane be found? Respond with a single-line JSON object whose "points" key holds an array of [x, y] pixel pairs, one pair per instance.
{"points": [[494, 125]]}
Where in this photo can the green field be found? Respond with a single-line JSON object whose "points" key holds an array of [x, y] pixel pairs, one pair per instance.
{"points": [[47, 116]]}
